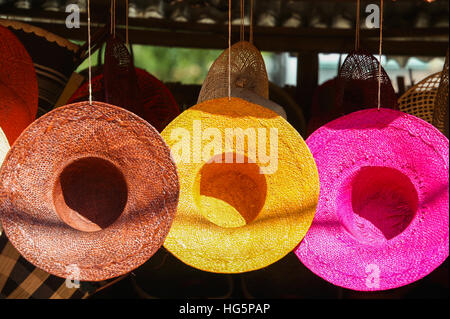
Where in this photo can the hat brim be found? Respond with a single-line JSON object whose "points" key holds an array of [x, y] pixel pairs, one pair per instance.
{"points": [[17, 70], [29, 178], [290, 193], [354, 252]]}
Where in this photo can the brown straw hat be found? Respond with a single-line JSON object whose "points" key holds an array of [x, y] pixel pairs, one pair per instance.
{"points": [[440, 114], [88, 188], [248, 71], [419, 100]]}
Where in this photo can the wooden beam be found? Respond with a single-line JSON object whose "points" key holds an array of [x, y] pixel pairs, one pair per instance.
{"points": [[163, 32]]}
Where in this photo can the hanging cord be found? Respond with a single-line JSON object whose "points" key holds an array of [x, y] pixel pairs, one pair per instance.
{"points": [[357, 24], [229, 50], [114, 19], [89, 51], [381, 50], [126, 25], [111, 17], [251, 21], [242, 20]]}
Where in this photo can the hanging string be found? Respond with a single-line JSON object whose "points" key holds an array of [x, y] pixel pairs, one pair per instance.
{"points": [[357, 24], [251, 21], [89, 51], [380, 53], [229, 50], [126, 25], [111, 17], [114, 18], [242, 20]]}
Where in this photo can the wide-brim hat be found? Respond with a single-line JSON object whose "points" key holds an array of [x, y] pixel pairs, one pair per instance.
{"points": [[248, 71], [4, 148], [54, 58], [14, 113], [254, 98], [419, 99], [89, 189], [159, 107], [382, 220], [240, 209], [17, 70]]}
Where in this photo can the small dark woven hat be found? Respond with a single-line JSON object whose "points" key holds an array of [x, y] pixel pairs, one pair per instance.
{"points": [[357, 85], [102, 198]]}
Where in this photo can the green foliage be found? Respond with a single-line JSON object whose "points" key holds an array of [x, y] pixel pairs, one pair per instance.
{"points": [[188, 66]]}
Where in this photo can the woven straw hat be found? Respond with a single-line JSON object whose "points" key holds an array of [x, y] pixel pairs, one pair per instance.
{"points": [[54, 60], [4, 147], [159, 107], [357, 85], [419, 100], [235, 216], [254, 98], [440, 115], [17, 70], [102, 198], [248, 71], [382, 220], [18, 86]]}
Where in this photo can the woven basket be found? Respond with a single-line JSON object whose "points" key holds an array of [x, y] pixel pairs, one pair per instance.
{"points": [[419, 100], [440, 115]]}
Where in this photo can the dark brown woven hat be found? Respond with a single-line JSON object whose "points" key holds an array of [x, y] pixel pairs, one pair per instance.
{"points": [[88, 188]]}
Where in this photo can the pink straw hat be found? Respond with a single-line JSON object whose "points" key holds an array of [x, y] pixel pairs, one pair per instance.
{"points": [[382, 219]]}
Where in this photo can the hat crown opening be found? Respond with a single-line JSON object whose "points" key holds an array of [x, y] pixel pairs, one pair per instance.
{"points": [[377, 204], [90, 194], [230, 190]]}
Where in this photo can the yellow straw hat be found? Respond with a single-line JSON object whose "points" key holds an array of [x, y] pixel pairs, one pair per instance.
{"points": [[249, 186], [419, 100], [4, 147]]}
